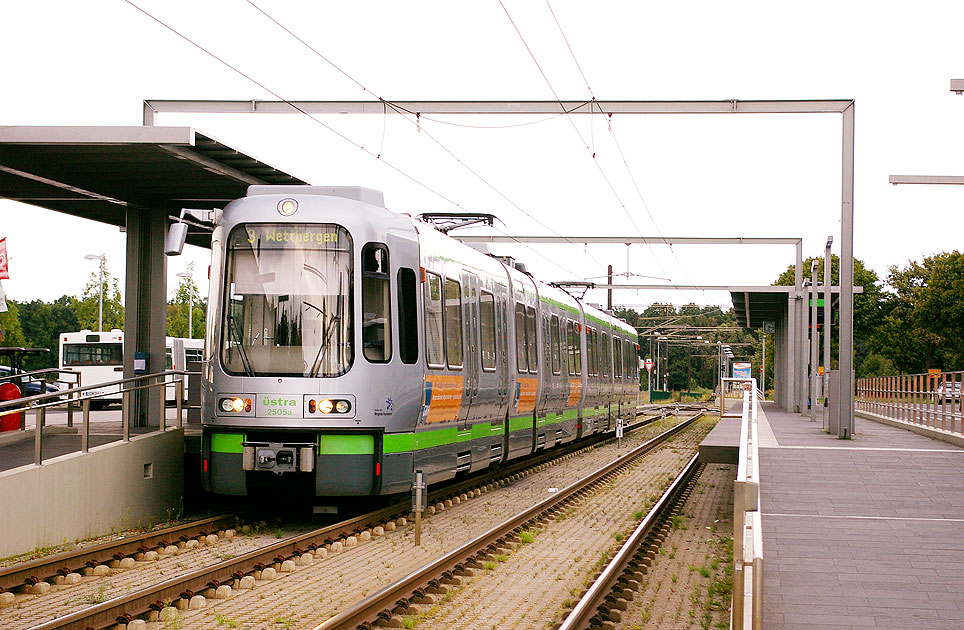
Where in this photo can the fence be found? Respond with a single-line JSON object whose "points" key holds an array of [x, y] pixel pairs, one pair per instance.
{"points": [[78, 396], [932, 401], [747, 609]]}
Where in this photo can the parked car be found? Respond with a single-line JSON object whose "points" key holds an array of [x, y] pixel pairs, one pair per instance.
{"points": [[949, 391], [32, 385]]}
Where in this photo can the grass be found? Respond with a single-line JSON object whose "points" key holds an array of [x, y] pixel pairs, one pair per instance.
{"points": [[96, 597], [527, 537]]}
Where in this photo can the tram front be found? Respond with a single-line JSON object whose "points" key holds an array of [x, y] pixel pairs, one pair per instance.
{"points": [[300, 338]]}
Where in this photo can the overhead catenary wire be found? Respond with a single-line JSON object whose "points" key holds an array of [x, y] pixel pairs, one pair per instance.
{"points": [[402, 111], [358, 146], [629, 171]]}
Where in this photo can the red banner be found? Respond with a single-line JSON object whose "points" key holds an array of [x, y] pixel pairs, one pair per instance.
{"points": [[4, 274]]}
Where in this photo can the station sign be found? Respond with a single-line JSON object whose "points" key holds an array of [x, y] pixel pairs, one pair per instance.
{"points": [[741, 370]]}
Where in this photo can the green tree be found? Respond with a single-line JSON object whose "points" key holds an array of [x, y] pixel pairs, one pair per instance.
{"points": [[867, 306], [88, 306], [42, 324], [10, 330], [922, 317], [186, 296]]}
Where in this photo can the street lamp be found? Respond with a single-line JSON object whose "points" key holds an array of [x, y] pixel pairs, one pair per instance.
{"points": [[190, 304], [100, 301]]}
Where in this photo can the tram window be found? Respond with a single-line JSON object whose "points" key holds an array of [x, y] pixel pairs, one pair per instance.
{"points": [[487, 329], [531, 339], [629, 360], [575, 352], [376, 304], [434, 351], [554, 344], [520, 338], [604, 348], [617, 358], [594, 353], [453, 323], [407, 316]]}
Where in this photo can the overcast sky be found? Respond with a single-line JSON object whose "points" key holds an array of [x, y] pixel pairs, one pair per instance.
{"points": [[93, 63]]}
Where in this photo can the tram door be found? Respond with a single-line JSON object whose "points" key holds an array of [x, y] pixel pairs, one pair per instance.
{"points": [[471, 360]]}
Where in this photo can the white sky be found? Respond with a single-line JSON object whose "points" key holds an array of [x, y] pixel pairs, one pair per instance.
{"points": [[93, 63]]}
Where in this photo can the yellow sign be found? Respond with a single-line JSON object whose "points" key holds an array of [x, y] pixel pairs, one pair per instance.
{"points": [[820, 370], [934, 371]]}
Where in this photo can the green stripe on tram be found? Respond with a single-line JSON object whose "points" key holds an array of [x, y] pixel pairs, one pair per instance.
{"points": [[346, 444], [226, 442]]}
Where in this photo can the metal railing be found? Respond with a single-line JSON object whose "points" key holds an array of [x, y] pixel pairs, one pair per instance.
{"points": [[81, 397], [930, 400], [747, 609]]}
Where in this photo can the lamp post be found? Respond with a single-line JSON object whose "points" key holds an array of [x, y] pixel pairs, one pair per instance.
{"points": [[100, 301], [190, 304]]}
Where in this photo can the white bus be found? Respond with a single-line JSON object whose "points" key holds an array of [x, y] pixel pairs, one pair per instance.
{"points": [[99, 357]]}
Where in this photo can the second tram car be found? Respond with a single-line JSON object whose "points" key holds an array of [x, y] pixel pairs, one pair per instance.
{"points": [[349, 346]]}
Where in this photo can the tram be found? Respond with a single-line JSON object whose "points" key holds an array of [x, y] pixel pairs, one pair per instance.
{"points": [[349, 346]]}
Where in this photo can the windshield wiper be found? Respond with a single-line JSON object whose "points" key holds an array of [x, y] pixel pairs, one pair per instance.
{"points": [[234, 327]]}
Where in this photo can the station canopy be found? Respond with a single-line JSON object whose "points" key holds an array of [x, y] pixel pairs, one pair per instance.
{"points": [[99, 173]]}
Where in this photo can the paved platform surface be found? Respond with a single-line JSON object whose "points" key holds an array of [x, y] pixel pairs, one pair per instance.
{"points": [[17, 447], [862, 533]]}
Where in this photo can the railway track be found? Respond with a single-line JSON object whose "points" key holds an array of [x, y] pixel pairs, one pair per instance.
{"points": [[421, 587], [150, 603]]}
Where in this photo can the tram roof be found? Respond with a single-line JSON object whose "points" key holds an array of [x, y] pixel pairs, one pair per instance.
{"points": [[98, 173]]}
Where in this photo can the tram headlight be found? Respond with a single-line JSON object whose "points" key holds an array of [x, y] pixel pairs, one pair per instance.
{"points": [[342, 406], [325, 406], [287, 207], [235, 405]]}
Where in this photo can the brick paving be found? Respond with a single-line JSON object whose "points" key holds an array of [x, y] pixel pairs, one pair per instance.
{"points": [[862, 533]]}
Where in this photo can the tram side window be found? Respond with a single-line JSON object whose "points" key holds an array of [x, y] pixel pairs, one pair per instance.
{"points": [[434, 346], [376, 304], [617, 358], [554, 344], [487, 330], [522, 362], [407, 316], [590, 352], [575, 353], [628, 357], [453, 323], [604, 348], [531, 339]]}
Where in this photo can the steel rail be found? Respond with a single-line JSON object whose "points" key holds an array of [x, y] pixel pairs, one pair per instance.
{"points": [[595, 596], [368, 609], [125, 608], [33, 571]]}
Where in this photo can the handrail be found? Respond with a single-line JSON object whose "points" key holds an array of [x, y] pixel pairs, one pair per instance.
{"points": [[747, 608], [67, 397]]}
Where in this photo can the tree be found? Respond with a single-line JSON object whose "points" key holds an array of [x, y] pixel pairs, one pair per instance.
{"points": [[88, 307], [42, 324], [186, 296], [867, 305], [10, 330], [922, 318]]}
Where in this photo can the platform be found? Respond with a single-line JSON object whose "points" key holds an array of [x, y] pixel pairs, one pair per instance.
{"points": [[862, 533]]}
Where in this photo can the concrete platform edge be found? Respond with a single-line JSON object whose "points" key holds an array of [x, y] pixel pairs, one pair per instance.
{"points": [[114, 487], [937, 434]]}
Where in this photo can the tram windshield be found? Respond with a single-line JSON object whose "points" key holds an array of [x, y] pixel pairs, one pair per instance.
{"points": [[288, 300]]}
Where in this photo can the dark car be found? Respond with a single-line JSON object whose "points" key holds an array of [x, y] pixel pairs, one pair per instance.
{"points": [[32, 385]]}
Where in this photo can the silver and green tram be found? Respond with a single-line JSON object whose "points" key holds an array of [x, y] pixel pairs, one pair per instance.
{"points": [[349, 346]]}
